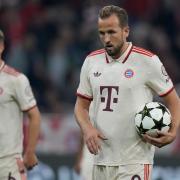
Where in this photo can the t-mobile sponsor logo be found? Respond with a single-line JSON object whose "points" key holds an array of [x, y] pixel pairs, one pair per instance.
{"points": [[109, 100]]}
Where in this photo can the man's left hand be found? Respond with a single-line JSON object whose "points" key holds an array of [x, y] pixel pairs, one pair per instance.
{"points": [[161, 140], [30, 160]]}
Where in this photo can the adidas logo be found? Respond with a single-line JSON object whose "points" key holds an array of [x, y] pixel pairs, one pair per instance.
{"points": [[97, 74]]}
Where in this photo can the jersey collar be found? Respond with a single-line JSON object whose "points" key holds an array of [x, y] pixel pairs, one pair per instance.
{"points": [[123, 57], [2, 65]]}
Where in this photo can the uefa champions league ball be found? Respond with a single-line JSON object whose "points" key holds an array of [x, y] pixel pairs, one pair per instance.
{"points": [[152, 117]]}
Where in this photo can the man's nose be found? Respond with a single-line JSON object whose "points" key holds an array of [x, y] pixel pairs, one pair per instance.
{"points": [[106, 38]]}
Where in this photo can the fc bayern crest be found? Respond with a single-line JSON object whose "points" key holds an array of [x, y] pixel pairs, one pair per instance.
{"points": [[129, 73]]}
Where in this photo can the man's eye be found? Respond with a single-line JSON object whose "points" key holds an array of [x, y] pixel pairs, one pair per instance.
{"points": [[101, 33], [111, 32]]}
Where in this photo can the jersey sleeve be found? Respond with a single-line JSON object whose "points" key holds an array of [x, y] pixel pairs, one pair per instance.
{"points": [[23, 93], [158, 79], [84, 89]]}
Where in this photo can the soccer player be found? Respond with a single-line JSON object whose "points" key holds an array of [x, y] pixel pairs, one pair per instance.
{"points": [[120, 78], [16, 97]]}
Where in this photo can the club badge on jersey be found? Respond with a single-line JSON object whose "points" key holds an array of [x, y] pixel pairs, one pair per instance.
{"points": [[129, 73]]}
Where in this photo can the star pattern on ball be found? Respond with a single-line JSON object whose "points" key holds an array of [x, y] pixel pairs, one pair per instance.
{"points": [[158, 124], [145, 112], [151, 118]]}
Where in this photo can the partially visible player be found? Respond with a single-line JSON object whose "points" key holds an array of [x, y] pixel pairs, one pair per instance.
{"points": [[120, 78], [16, 97]]}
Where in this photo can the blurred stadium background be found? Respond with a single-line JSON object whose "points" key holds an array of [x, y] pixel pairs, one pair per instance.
{"points": [[48, 41]]}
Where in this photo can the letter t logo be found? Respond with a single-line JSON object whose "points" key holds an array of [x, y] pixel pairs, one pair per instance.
{"points": [[109, 90]]}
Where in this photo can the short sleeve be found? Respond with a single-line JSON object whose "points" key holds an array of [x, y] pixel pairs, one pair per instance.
{"points": [[158, 79], [84, 89], [23, 93]]}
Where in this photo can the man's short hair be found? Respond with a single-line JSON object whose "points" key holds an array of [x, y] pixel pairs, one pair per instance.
{"points": [[121, 13], [1, 36]]}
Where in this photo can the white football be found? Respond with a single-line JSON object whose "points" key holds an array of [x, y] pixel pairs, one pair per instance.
{"points": [[152, 117]]}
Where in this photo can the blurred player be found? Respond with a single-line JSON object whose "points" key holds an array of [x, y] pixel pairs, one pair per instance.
{"points": [[16, 97], [119, 79]]}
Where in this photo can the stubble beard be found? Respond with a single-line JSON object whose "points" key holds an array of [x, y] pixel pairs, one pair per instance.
{"points": [[115, 51]]}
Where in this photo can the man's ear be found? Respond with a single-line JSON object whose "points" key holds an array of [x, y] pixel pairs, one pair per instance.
{"points": [[126, 31], [1, 47]]}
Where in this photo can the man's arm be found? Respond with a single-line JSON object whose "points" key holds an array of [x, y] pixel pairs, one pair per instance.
{"points": [[172, 101], [91, 135], [30, 159]]}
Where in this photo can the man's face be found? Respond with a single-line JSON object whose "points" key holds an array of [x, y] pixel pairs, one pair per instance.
{"points": [[112, 35]]}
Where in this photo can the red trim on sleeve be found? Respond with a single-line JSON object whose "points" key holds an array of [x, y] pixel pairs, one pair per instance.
{"points": [[100, 51], [29, 108], [85, 97], [143, 50], [165, 94], [9, 70]]}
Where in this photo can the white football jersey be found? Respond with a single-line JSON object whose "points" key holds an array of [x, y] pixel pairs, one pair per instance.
{"points": [[15, 97], [118, 89]]}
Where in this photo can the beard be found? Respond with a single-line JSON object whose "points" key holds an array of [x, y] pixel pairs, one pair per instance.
{"points": [[114, 51]]}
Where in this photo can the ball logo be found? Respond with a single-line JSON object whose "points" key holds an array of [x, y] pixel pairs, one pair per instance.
{"points": [[1, 90], [129, 73]]}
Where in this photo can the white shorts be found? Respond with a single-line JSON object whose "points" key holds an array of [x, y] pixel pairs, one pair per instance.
{"points": [[126, 172], [86, 164], [12, 168]]}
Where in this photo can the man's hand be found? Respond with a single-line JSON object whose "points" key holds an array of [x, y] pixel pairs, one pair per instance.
{"points": [[30, 160], [161, 140], [92, 138]]}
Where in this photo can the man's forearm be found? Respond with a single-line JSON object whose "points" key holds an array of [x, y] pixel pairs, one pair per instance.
{"points": [[33, 130], [82, 118], [175, 112]]}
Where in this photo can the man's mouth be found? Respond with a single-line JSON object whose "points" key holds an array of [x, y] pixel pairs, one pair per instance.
{"points": [[109, 46]]}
